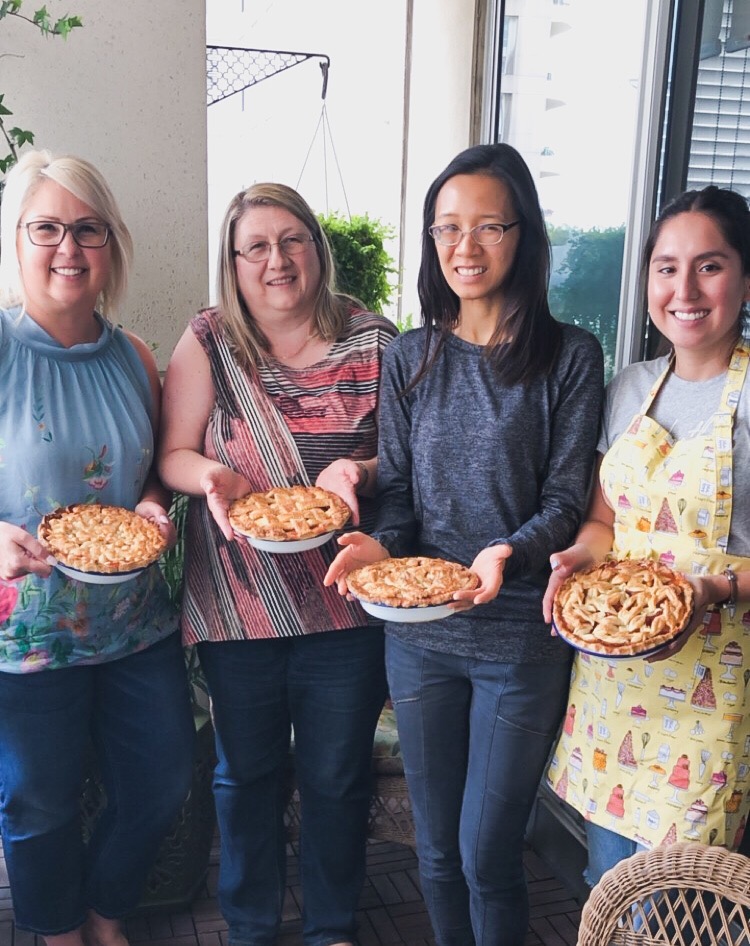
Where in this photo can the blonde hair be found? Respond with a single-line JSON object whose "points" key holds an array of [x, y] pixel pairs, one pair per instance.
{"points": [[331, 308], [86, 183]]}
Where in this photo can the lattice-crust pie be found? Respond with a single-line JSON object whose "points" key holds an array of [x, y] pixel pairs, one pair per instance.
{"points": [[410, 582], [623, 608], [103, 539], [289, 512]]}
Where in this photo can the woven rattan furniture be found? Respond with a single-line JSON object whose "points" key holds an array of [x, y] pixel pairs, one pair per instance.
{"points": [[390, 813], [682, 895]]}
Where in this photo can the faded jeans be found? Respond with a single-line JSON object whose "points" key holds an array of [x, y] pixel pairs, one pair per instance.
{"points": [[475, 735]]}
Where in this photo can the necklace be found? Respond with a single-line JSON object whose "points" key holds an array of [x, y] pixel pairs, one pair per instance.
{"points": [[295, 354]]}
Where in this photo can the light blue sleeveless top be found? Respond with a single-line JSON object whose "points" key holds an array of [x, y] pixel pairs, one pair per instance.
{"points": [[75, 427]]}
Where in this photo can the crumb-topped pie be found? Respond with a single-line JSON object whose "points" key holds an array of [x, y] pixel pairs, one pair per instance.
{"points": [[623, 608], [410, 582], [289, 512], [101, 539]]}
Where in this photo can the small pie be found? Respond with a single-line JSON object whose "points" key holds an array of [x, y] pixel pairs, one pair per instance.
{"points": [[289, 512], [98, 538], [410, 582], [623, 608]]}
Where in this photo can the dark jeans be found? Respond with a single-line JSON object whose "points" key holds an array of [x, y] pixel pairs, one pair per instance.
{"points": [[137, 710], [475, 736], [330, 688]]}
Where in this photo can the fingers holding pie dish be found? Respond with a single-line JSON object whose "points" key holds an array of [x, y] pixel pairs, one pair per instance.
{"points": [[21, 554], [488, 566], [221, 486], [563, 565], [157, 514], [342, 477], [358, 550]]}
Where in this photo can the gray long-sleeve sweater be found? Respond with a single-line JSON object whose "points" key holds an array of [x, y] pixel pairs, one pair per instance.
{"points": [[465, 462]]}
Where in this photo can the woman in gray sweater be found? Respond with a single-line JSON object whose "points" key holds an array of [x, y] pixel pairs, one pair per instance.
{"points": [[488, 423]]}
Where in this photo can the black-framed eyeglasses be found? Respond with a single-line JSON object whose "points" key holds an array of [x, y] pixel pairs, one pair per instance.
{"points": [[486, 234], [51, 232], [260, 250]]}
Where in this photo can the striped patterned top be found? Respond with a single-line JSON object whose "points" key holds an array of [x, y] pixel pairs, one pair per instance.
{"points": [[279, 427]]}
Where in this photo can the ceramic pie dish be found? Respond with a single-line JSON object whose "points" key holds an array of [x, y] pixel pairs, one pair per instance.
{"points": [[623, 608], [289, 518], [100, 544], [411, 589]]}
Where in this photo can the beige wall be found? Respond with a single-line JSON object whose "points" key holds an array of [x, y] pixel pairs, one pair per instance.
{"points": [[128, 92], [439, 115]]}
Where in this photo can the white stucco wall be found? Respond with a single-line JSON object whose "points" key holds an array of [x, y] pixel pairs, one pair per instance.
{"points": [[128, 92]]}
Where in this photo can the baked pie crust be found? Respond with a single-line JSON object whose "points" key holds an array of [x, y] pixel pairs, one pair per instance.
{"points": [[103, 539], [623, 608], [410, 582], [288, 513]]}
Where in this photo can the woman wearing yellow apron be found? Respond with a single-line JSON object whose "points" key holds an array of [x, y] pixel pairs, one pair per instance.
{"points": [[658, 750]]}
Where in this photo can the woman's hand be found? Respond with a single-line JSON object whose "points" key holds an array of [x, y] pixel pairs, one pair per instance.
{"points": [[563, 565], [703, 596], [489, 566], [359, 550], [221, 486], [20, 554], [342, 477], [151, 510]]}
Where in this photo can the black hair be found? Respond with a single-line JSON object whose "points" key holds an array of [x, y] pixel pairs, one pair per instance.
{"points": [[729, 211], [527, 338]]}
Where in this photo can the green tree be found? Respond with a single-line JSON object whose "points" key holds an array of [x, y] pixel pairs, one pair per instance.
{"points": [[363, 264], [589, 296], [15, 137]]}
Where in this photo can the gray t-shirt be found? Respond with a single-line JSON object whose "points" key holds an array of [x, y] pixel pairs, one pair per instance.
{"points": [[465, 462], [685, 409]]}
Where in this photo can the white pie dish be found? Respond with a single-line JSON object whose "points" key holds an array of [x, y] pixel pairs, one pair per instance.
{"points": [[385, 612], [286, 546], [98, 578]]}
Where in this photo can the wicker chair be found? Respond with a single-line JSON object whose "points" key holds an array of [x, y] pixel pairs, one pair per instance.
{"points": [[682, 895], [390, 812]]}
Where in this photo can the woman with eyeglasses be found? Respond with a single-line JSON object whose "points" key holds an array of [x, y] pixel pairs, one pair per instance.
{"points": [[277, 386], [80, 663], [488, 419]]}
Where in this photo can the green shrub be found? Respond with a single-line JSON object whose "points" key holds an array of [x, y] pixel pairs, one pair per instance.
{"points": [[363, 265]]}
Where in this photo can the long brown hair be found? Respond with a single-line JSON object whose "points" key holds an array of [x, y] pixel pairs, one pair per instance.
{"points": [[331, 308]]}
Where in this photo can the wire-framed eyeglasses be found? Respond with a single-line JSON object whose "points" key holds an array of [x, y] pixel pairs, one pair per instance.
{"points": [[260, 250], [486, 234], [87, 233]]}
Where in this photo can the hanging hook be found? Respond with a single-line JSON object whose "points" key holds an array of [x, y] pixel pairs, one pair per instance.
{"points": [[324, 69]]}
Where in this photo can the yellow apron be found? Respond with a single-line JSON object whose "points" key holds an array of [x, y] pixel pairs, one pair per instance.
{"points": [[660, 752]]}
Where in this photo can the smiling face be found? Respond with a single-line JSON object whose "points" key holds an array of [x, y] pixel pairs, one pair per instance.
{"points": [[696, 288], [476, 273], [60, 281], [282, 284]]}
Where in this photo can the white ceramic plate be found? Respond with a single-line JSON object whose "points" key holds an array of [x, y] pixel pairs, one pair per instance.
{"points": [[290, 545], [407, 615], [98, 578]]}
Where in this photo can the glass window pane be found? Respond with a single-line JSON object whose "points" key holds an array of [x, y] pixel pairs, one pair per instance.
{"points": [[575, 128]]}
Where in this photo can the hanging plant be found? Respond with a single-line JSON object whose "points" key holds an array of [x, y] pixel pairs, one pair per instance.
{"points": [[363, 265]]}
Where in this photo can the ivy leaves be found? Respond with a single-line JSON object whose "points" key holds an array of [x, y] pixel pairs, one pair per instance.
{"points": [[16, 137]]}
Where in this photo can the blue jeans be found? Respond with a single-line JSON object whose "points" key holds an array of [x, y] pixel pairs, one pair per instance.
{"points": [[137, 710], [330, 687], [605, 849], [475, 735]]}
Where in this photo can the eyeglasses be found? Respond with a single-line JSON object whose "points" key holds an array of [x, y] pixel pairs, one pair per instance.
{"points": [[52, 233], [290, 245], [486, 234]]}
